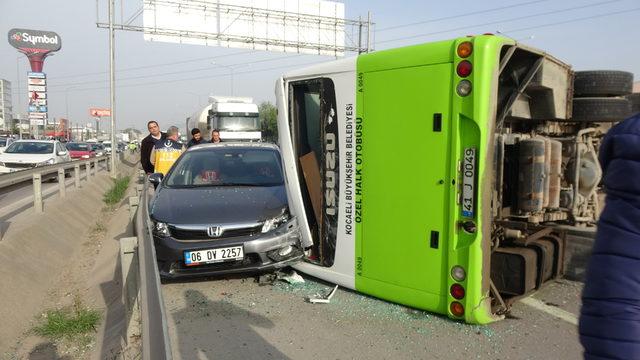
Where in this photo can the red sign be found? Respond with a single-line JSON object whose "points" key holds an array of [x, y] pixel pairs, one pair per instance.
{"points": [[99, 112]]}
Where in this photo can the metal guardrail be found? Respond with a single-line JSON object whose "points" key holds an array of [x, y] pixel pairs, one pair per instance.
{"points": [[143, 290], [36, 174]]}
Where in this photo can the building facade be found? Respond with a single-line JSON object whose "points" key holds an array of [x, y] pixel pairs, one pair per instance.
{"points": [[6, 108]]}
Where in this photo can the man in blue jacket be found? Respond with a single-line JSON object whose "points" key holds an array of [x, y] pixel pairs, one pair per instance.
{"points": [[610, 314]]}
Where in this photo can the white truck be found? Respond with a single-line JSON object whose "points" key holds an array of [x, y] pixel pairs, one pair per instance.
{"points": [[236, 118]]}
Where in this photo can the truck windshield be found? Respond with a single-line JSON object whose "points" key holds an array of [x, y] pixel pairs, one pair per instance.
{"points": [[238, 123]]}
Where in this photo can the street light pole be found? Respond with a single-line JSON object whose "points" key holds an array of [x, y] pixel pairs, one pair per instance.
{"points": [[231, 72], [112, 80]]}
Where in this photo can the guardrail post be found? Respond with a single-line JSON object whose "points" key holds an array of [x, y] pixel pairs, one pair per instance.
{"points": [[61, 183], [109, 163], [133, 206], [130, 268], [37, 193], [141, 175], [95, 167], [87, 166], [139, 188], [76, 175]]}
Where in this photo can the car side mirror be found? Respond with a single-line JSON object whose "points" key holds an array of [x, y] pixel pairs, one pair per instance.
{"points": [[155, 179], [62, 153]]}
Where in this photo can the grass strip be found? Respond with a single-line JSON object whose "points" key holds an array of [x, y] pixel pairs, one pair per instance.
{"points": [[117, 191]]}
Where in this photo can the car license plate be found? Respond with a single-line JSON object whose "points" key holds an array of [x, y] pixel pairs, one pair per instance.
{"points": [[468, 181], [192, 258]]}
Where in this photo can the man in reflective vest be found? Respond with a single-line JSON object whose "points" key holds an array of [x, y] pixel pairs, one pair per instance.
{"points": [[166, 152]]}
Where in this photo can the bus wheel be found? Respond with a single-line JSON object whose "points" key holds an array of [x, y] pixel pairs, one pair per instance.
{"points": [[602, 83], [601, 109]]}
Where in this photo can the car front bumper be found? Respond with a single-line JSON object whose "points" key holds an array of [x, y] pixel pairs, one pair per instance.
{"points": [[260, 253]]}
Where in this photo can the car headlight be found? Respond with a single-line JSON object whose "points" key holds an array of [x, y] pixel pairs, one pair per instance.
{"points": [[161, 229], [273, 223], [47, 162], [1, 163]]}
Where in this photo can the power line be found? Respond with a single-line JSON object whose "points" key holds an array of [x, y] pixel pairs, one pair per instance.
{"points": [[155, 65], [461, 15], [574, 20], [502, 21], [173, 73], [199, 77]]}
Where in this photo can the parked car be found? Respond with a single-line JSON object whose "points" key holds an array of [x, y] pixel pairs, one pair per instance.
{"points": [[99, 149], [223, 208], [24, 154], [80, 150], [4, 142]]}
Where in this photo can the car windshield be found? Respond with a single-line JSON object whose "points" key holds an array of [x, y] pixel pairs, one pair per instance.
{"points": [[98, 147], [227, 167], [238, 123], [77, 147], [30, 147]]}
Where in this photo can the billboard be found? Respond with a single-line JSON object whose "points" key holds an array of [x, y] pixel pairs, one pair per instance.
{"points": [[99, 112], [34, 41], [300, 26]]}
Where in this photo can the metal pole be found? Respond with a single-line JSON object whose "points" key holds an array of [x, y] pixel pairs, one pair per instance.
{"points": [[112, 80], [37, 193], [19, 95], [359, 34], [61, 183], [368, 31], [76, 174]]}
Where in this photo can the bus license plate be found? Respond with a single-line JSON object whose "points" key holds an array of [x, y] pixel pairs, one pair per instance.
{"points": [[192, 258], [468, 182]]}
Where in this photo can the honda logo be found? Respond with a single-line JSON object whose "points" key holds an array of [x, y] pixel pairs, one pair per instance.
{"points": [[214, 231]]}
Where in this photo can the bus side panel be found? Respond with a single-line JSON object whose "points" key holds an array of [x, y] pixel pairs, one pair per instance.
{"points": [[402, 184]]}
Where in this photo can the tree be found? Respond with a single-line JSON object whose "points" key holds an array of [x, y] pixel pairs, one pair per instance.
{"points": [[268, 121]]}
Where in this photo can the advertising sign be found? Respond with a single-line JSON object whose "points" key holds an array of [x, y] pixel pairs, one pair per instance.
{"points": [[37, 115], [33, 81], [38, 108], [37, 88], [99, 112], [34, 41], [35, 122], [36, 75], [34, 95]]}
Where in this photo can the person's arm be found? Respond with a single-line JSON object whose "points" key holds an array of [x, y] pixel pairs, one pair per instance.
{"points": [[152, 157]]}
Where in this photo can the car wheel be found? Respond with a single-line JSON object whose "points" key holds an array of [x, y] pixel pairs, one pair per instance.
{"points": [[602, 83], [601, 109]]}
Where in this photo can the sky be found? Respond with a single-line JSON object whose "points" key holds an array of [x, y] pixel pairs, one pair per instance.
{"points": [[168, 82]]}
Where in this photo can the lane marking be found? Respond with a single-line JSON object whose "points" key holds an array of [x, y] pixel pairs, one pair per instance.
{"points": [[551, 310]]}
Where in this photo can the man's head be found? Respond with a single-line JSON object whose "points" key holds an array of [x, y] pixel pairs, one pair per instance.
{"points": [[153, 127], [195, 132], [172, 133], [215, 136]]}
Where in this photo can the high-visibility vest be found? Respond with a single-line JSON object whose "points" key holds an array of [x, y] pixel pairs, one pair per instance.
{"points": [[166, 153]]}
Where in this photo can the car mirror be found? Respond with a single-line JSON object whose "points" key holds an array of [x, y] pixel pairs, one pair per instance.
{"points": [[62, 153], [155, 179]]}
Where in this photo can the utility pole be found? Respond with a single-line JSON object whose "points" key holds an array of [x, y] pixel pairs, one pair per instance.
{"points": [[112, 85]]}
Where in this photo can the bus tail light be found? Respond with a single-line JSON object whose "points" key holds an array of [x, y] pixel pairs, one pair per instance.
{"points": [[458, 273], [456, 309], [464, 68], [465, 49], [464, 88], [457, 291]]}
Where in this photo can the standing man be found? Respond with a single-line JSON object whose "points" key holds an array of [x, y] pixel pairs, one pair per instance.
{"points": [[196, 138], [148, 143], [215, 136], [166, 152]]}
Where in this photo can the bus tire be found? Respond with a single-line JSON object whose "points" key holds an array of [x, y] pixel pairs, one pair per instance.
{"points": [[601, 109], [635, 102], [602, 83]]}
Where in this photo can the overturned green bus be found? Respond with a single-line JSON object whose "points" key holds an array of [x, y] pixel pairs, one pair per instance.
{"points": [[439, 175]]}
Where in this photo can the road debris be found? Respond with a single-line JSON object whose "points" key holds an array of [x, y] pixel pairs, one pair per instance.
{"points": [[323, 300], [292, 278]]}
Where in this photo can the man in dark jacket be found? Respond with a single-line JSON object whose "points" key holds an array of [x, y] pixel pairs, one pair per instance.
{"points": [[196, 138], [148, 143], [610, 314]]}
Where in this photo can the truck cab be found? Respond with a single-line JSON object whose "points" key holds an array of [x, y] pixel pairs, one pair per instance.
{"points": [[236, 118]]}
